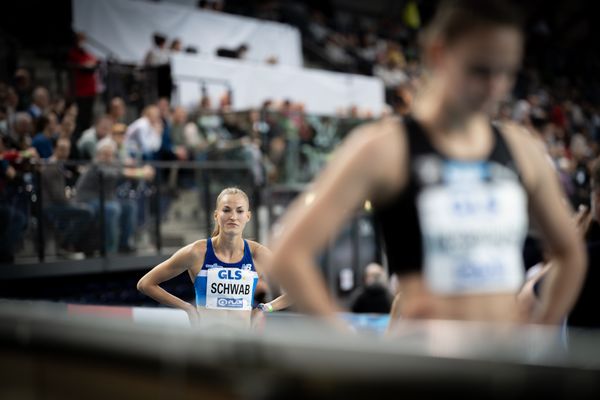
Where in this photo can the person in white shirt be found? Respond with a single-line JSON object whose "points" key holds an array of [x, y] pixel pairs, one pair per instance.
{"points": [[143, 137]]}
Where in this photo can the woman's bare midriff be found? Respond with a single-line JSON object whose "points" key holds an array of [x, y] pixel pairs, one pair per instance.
{"points": [[416, 301]]}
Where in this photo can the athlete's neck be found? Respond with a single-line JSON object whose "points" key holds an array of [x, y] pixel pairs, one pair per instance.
{"points": [[439, 116], [228, 245]]}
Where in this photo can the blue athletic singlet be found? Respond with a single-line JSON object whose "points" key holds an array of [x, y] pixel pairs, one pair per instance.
{"points": [[461, 224], [225, 286]]}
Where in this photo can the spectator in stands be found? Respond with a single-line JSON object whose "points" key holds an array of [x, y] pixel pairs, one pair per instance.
{"points": [[117, 110], [580, 160], [367, 51], [40, 102], [23, 88], [576, 116], [336, 52], [592, 226], [120, 217], [275, 160], [374, 296], [71, 220], [86, 145], [523, 109], [585, 313], [71, 112], [12, 221], [57, 106], [390, 69], [11, 101], [318, 28], [158, 58], [186, 137], [158, 54], [118, 135], [168, 151], [84, 67], [259, 129], [23, 131], [390, 73], [144, 135], [47, 128], [66, 129], [164, 108], [176, 46], [594, 124], [4, 125]]}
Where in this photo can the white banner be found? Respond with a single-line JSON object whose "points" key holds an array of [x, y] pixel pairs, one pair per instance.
{"points": [[322, 92], [125, 28]]}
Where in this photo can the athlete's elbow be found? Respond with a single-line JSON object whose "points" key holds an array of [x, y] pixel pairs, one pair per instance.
{"points": [[142, 285]]}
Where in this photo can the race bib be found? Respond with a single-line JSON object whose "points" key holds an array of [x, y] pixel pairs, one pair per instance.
{"points": [[472, 236], [230, 288]]}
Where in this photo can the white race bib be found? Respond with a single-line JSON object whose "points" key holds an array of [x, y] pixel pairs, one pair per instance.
{"points": [[473, 236], [230, 288]]}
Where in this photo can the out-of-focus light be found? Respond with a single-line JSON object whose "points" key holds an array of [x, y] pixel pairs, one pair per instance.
{"points": [[310, 197], [368, 206]]}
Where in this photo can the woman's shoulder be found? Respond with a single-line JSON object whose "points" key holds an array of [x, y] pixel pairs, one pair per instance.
{"points": [[380, 131], [382, 148], [198, 247]]}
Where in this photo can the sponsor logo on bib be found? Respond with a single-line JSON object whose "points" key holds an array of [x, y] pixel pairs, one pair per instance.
{"points": [[226, 302]]}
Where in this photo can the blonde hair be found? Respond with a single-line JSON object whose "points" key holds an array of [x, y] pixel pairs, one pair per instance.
{"points": [[225, 192]]}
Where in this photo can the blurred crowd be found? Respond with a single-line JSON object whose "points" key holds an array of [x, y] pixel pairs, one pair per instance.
{"points": [[42, 131], [278, 143]]}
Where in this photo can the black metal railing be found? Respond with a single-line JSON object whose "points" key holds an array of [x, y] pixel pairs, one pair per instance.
{"points": [[209, 178], [356, 242]]}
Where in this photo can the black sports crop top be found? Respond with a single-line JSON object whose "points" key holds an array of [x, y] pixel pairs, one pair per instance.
{"points": [[460, 223]]}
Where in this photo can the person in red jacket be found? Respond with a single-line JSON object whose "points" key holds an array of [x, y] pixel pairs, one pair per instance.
{"points": [[84, 81]]}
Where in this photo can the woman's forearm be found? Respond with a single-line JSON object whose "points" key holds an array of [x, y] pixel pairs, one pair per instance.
{"points": [[561, 286], [164, 297], [281, 302]]}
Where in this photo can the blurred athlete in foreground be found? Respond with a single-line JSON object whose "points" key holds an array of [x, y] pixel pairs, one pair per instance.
{"points": [[451, 192]]}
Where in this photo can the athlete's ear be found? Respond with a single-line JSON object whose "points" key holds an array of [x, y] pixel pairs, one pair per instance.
{"points": [[249, 215], [434, 52]]}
